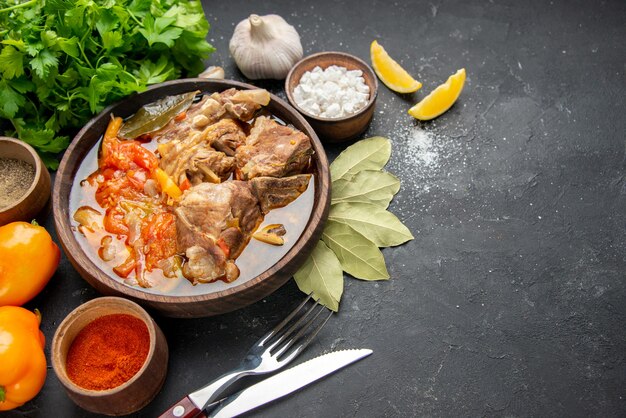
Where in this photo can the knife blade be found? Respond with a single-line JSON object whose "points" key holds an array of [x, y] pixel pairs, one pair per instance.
{"points": [[286, 382]]}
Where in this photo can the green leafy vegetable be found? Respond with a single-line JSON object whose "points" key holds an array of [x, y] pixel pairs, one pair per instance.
{"points": [[154, 116], [368, 186], [321, 274], [372, 221], [357, 225], [62, 61], [358, 256], [367, 154]]}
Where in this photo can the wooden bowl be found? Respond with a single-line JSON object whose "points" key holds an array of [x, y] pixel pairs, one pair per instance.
{"points": [[36, 197], [335, 129], [130, 396], [213, 302]]}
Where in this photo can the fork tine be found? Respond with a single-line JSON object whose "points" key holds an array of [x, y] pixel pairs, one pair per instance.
{"points": [[284, 322], [289, 338], [296, 325], [306, 342]]}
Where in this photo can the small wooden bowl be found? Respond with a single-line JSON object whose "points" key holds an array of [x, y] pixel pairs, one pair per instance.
{"points": [[136, 392], [37, 195], [335, 129]]}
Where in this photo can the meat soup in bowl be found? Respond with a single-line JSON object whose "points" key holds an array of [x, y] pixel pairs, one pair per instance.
{"points": [[198, 214]]}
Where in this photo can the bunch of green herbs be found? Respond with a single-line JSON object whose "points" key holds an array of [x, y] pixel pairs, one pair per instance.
{"points": [[358, 223], [62, 61]]}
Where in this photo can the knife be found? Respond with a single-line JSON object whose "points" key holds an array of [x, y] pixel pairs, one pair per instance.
{"points": [[275, 387]]}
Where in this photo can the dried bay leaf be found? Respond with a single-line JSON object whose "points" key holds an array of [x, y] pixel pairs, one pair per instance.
{"points": [[367, 154], [153, 116], [358, 223], [322, 275], [358, 256], [380, 226], [367, 186]]}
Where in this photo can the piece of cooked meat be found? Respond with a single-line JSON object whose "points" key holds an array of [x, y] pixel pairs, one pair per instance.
{"points": [[242, 104], [212, 208], [219, 220], [196, 163], [205, 112], [225, 135], [275, 192], [207, 165], [273, 150], [193, 157], [207, 264]]}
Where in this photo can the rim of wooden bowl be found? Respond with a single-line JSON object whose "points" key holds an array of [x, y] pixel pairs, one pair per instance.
{"points": [[109, 285], [39, 173], [311, 60]]}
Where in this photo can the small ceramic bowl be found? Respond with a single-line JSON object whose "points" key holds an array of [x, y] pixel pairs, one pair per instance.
{"points": [[335, 129], [37, 195], [130, 396]]}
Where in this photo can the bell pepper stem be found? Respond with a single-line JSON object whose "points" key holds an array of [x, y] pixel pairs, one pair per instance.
{"points": [[37, 314], [2, 394]]}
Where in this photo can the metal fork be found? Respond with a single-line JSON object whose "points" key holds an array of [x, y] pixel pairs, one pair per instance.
{"points": [[271, 352]]}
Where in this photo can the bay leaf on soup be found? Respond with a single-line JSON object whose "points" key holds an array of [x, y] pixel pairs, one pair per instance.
{"points": [[375, 223], [367, 154], [154, 116], [358, 256], [367, 186], [322, 275]]}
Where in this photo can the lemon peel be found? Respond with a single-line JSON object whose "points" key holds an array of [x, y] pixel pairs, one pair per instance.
{"points": [[390, 72], [441, 99]]}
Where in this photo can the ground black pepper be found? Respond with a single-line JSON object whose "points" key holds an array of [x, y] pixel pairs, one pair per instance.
{"points": [[16, 177]]}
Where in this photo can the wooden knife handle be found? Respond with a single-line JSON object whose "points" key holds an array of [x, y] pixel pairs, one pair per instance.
{"points": [[183, 409]]}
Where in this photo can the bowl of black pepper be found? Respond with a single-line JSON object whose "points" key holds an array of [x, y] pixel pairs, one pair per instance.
{"points": [[24, 182]]}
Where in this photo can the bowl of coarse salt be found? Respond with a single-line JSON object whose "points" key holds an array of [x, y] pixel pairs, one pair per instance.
{"points": [[336, 92]]}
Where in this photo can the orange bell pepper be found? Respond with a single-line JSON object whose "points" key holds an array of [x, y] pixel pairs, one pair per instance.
{"points": [[167, 184], [22, 360], [28, 259]]}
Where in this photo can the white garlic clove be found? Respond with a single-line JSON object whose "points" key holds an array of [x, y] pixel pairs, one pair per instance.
{"points": [[212, 72], [265, 47]]}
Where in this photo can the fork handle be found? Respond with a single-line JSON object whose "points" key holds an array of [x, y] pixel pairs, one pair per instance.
{"points": [[183, 409], [216, 388]]}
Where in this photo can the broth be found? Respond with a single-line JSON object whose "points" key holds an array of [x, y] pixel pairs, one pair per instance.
{"points": [[256, 257]]}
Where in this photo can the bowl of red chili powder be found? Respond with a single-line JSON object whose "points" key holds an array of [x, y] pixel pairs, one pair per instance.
{"points": [[110, 356]]}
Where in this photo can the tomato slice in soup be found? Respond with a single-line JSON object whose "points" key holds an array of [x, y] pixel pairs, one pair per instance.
{"points": [[158, 233]]}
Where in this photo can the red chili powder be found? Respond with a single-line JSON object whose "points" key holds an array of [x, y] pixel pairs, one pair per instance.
{"points": [[108, 352]]}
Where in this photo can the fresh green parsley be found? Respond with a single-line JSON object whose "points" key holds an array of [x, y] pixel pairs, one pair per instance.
{"points": [[62, 61]]}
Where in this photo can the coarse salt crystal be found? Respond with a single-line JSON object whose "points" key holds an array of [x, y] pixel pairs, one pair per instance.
{"points": [[331, 93], [333, 111]]}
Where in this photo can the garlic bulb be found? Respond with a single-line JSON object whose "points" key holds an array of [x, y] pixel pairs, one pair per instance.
{"points": [[265, 47]]}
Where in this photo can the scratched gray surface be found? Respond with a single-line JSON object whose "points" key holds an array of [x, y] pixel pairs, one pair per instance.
{"points": [[511, 299]]}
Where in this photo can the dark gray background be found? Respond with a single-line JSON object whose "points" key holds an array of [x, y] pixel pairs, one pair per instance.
{"points": [[511, 299]]}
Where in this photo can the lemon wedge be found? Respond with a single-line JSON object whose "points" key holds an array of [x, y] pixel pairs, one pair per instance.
{"points": [[440, 99], [390, 72]]}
